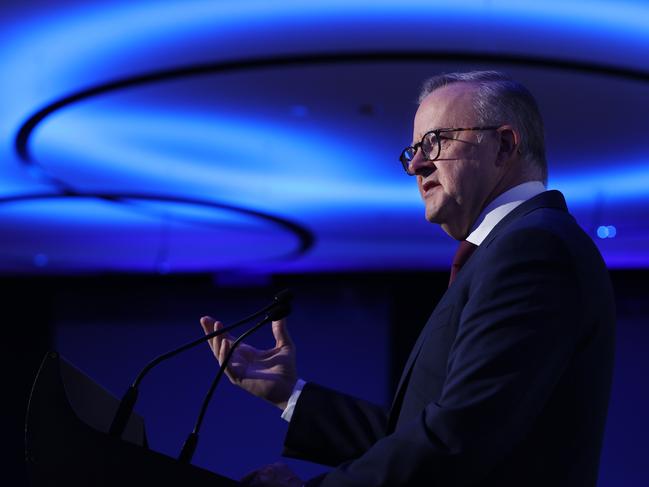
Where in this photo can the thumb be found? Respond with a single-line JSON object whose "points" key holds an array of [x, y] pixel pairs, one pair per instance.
{"points": [[280, 332]]}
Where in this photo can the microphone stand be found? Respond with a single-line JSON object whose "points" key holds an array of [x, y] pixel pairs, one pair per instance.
{"points": [[127, 403], [189, 447]]}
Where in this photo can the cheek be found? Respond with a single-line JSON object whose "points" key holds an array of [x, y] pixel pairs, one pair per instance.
{"points": [[449, 178], [462, 180]]}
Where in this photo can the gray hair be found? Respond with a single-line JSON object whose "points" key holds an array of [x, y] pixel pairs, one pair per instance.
{"points": [[499, 100]]}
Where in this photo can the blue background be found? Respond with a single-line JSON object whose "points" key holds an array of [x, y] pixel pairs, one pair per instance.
{"points": [[211, 161]]}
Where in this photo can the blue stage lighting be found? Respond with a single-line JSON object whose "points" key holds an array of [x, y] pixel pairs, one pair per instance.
{"points": [[40, 260]]}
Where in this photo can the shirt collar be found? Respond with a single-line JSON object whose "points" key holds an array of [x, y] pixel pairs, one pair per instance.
{"points": [[500, 207]]}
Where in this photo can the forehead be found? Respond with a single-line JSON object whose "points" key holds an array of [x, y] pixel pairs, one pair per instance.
{"points": [[446, 107]]}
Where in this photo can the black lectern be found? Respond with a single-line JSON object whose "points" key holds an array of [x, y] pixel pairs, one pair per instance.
{"points": [[66, 441]]}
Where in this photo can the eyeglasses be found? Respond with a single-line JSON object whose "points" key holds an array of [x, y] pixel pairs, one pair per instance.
{"points": [[431, 146]]}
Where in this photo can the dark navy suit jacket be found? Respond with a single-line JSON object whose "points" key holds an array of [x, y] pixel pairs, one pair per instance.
{"points": [[508, 383]]}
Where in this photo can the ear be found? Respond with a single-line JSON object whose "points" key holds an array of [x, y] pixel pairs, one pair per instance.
{"points": [[509, 139]]}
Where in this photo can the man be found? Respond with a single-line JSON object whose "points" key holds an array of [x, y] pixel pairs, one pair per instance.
{"points": [[508, 383]]}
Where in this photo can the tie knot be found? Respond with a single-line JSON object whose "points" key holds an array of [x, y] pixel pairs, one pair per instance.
{"points": [[462, 254]]}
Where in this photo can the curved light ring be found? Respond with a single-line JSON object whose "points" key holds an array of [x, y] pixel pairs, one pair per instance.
{"points": [[618, 17], [304, 237], [21, 142], [26, 130], [111, 29]]}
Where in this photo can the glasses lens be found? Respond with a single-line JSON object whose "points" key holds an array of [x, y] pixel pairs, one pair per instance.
{"points": [[408, 154], [406, 157], [430, 146]]}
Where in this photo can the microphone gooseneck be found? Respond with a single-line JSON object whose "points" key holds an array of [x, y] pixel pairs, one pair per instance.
{"points": [[127, 404], [280, 311]]}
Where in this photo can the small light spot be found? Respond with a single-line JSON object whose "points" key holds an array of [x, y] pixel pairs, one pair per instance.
{"points": [[40, 260], [612, 231], [602, 232]]}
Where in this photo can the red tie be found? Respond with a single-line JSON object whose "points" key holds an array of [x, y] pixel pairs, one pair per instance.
{"points": [[462, 254]]}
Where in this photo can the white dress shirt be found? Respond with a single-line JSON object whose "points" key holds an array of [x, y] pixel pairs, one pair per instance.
{"points": [[500, 207]]}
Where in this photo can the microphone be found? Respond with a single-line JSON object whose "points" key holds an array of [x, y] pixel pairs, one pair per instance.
{"points": [[127, 404], [282, 310]]}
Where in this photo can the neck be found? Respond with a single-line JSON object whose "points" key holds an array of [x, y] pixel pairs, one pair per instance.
{"points": [[518, 174], [495, 193]]}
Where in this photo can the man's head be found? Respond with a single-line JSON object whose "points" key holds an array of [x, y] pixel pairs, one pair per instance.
{"points": [[503, 148]]}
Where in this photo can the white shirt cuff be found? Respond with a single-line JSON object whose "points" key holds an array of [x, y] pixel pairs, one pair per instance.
{"points": [[292, 401]]}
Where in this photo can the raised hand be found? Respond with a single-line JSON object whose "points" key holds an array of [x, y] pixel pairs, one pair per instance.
{"points": [[269, 374]]}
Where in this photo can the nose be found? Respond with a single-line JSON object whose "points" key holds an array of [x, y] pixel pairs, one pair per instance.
{"points": [[420, 166]]}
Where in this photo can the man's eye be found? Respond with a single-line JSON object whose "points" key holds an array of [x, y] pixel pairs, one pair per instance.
{"points": [[444, 140]]}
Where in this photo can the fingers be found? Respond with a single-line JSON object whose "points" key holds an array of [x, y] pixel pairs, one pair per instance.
{"points": [[220, 345], [223, 349], [207, 322], [210, 325], [280, 332]]}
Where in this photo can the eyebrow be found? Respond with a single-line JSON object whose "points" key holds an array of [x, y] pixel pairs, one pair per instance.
{"points": [[420, 136]]}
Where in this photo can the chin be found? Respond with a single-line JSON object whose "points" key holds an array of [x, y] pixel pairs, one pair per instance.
{"points": [[434, 214], [431, 217]]}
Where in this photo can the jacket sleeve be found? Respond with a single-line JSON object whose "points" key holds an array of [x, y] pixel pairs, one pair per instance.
{"points": [[516, 336], [329, 427]]}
